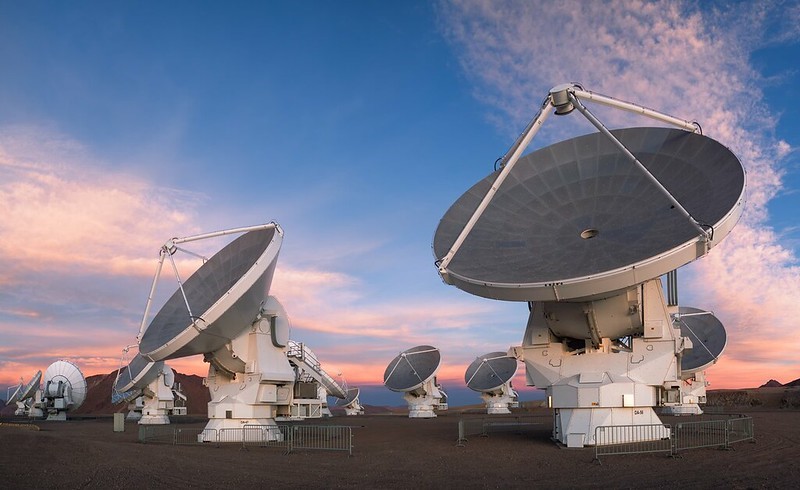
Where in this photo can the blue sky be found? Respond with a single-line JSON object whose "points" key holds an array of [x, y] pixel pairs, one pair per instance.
{"points": [[355, 125]]}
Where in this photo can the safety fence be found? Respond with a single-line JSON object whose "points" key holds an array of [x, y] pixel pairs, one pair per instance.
{"points": [[483, 426], [672, 438], [632, 439], [287, 437]]}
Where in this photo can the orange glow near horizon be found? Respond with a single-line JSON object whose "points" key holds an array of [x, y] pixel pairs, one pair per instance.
{"points": [[726, 374]]}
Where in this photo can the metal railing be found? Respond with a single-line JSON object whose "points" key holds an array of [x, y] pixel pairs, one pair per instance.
{"points": [[288, 437], [635, 439], [321, 437], [632, 439], [740, 429], [705, 433], [264, 436]]}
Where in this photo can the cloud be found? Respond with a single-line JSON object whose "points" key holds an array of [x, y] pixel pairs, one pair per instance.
{"points": [[682, 60], [358, 336], [79, 247], [65, 212], [76, 236]]}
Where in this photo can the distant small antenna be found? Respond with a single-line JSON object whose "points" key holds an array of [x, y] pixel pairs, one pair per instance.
{"points": [[351, 404], [413, 373], [63, 390], [490, 375]]}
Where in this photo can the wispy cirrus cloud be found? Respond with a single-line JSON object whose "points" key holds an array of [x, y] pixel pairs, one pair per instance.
{"points": [[683, 60]]}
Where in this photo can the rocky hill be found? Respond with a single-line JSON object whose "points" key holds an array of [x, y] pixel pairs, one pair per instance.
{"points": [[98, 396]]}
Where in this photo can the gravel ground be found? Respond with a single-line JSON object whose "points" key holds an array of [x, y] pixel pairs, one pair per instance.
{"points": [[391, 451]]}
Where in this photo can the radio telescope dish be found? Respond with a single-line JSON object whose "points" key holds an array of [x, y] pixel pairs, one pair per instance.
{"points": [[147, 387], [29, 389], [132, 379], [225, 296], [582, 230], [15, 396], [577, 219], [412, 368], [352, 394], [413, 373], [350, 403], [64, 389], [222, 311], [490, 372], [708, 338], [23, 395]]}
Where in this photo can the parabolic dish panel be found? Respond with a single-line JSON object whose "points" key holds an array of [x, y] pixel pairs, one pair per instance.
{"points": [[352, 394], [412, 368], [14, 396], [490, 371], [139, 373], [578, 218], [708, 338], [63, 370], [29, 389], [225, 294]]}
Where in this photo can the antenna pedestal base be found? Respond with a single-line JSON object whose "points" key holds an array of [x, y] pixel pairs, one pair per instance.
{"points": [[250, 402], [499, 405], [133, 416], [59, 415], [497, 410], [501, 401], [158, 401], [21, 410], [597, 382], [37, 404], [423, 401], [155, 419], [692, 393], [685, 409], [241, 430], [421, 412], [579, 427], [354, 410]]}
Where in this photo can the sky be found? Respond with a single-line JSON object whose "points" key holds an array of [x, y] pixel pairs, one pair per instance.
{"points": [[355, 125]]}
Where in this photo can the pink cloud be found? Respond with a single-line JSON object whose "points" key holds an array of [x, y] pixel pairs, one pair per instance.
{"points": [[64, 211], [694, 65]]}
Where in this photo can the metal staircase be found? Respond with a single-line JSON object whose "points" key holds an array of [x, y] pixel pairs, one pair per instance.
{"points": [[304, 359]]}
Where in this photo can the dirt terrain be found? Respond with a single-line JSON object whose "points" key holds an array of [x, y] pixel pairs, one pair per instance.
{"points": [[390, 451]]}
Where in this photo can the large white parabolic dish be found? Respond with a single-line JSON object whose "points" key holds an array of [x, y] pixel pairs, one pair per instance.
{"points": [[225, 295], [578, 219], [490, 372], [412, 368], [67, 372]]}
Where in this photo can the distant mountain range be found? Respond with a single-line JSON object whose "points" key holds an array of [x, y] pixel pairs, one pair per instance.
{"points": [[98, 398], [775, 384]]}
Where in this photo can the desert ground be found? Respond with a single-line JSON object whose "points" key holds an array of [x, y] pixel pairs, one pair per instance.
{"points": [[390, 451]]}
